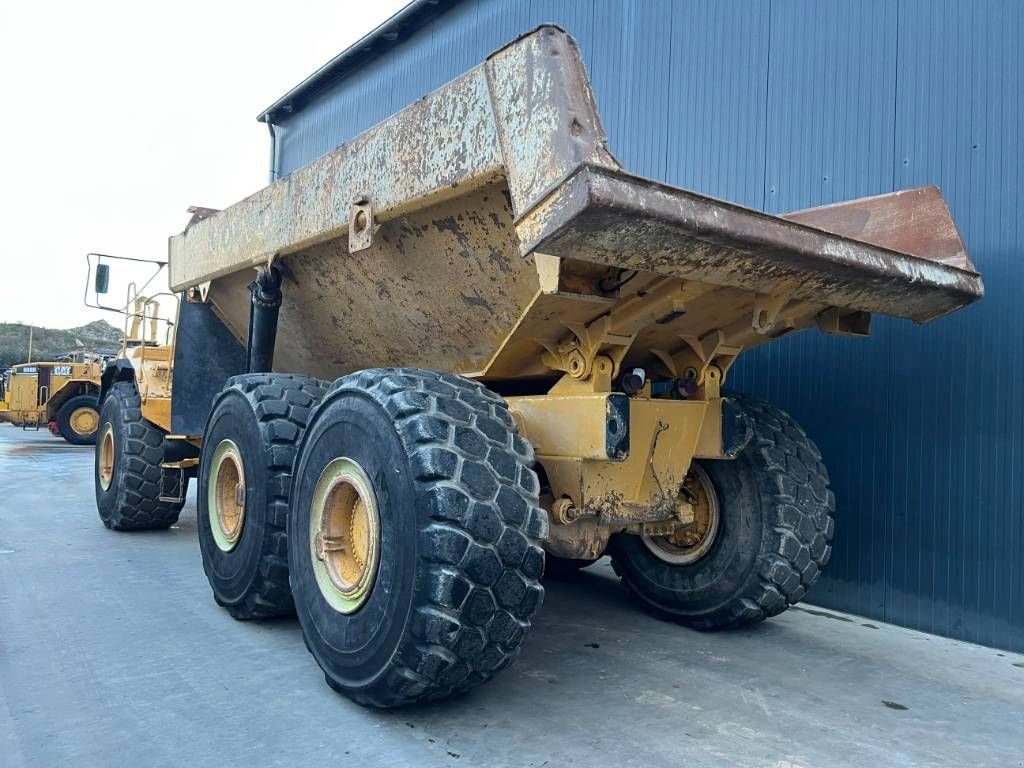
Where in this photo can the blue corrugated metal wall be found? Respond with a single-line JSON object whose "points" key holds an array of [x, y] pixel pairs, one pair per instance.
{"points": [[786, 104]]}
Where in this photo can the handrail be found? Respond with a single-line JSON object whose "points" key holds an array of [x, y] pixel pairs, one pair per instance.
{"points": [[144, 314], [151, 301], [132, 289]]}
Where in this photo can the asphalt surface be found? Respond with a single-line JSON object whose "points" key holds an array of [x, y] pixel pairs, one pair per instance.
{"points": [[112, 652]]}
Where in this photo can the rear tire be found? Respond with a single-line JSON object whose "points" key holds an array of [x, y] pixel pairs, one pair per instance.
{"points": [[254, 427], [773, 538], [127, 470], [69, 418], [453, 583]]}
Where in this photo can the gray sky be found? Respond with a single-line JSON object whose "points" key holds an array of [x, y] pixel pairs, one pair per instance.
{"points": [[119, 115]]}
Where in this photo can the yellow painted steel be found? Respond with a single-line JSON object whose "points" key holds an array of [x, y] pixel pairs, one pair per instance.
{"points": [[568, 434], [156, 397], [344, 535], [226, 494], [486, 230], [84, 420], [689, 543], [152, 357], [105, 463], [573, 425], [28, 402]]}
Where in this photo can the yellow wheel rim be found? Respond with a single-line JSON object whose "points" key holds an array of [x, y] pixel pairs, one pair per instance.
{"points": [[344, 535], [690, 543], [105, 466], [225, 495], [84, 420]]}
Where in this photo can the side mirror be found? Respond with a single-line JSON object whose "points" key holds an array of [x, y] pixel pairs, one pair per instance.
{"points": [[102, 278]]}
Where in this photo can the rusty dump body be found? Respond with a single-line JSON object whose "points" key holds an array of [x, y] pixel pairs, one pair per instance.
{"points": [[487, 230]]}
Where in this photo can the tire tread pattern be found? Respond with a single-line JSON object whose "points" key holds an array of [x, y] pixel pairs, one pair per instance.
{"points": [[797, 540], [139, 507], [479, 542], [63, 418], [282, 404]]}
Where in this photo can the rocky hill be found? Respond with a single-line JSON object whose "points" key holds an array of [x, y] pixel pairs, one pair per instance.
{"points": [[51, 343]]}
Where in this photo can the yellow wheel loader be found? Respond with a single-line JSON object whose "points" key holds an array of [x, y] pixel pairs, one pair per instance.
{"points": [[141, 473], [468, 340], [62, 395]]}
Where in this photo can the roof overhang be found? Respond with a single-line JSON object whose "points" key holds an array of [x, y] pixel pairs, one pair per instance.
{"points": [[381, 39]]}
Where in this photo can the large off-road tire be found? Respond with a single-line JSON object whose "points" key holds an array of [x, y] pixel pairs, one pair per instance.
{"points": [[251, 436], [775, 525], [129, 451], [78, 419], [413, 538]]}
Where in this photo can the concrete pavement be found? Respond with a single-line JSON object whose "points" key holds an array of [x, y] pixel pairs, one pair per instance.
{"points": [[112, 652]]}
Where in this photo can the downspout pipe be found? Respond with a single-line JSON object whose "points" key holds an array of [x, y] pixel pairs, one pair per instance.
{"points": [[273, 149]]}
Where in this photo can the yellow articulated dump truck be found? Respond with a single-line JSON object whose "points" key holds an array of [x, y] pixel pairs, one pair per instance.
{"points": [[62, 395], [467, 342]]}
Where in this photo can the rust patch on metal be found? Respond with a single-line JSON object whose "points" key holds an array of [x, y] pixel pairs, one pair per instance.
{"points": [[614, 218], [916, 222], [487, 230], [445, 282]]}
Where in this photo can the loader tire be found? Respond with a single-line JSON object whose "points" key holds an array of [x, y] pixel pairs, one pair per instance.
{"points": [[774, 533], [129, 451], [251, 436], [424, 474], [78, 419]]}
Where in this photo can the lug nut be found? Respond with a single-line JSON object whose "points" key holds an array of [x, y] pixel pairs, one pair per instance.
{"points": [[564, 511]]}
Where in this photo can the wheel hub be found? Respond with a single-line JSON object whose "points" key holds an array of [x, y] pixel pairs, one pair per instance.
{"points": [[689, 543], [105, 468], [226, 495], [84, 420], [344, 535]]}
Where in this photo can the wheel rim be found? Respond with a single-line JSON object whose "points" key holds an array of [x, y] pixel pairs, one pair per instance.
{"points": [[344, 535], [225, 494], [690, 543], [84, 420], [105, 470]]}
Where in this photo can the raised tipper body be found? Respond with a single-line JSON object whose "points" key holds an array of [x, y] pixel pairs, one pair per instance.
{"points": [[487, 232]]}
